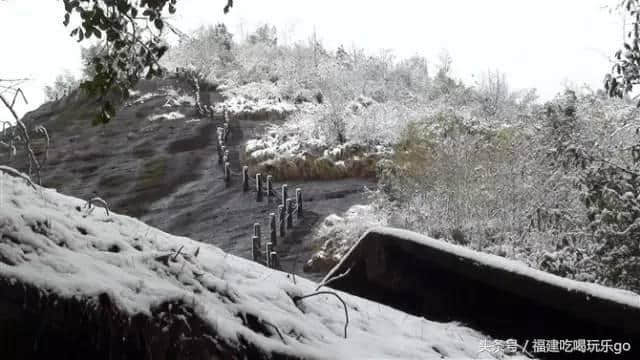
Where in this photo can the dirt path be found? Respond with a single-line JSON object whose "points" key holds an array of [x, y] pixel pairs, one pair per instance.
{"points": [[207, 210]]}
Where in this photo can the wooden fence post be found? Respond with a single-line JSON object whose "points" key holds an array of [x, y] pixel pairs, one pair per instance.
{"points": [[259, 187], [289, 207], [272, 228], [281, 220], [227, 173], [256, 230], [275, 261], [220, 137], [269, 187], [299, 202], [284, 194], [245, 178], [255, 248], [269, 250]]}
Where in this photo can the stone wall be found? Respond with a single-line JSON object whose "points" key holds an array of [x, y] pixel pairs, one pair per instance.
{"points": [[419, 275]]}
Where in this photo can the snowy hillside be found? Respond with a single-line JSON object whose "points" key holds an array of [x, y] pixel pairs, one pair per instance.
{"points": [[55, 243]]}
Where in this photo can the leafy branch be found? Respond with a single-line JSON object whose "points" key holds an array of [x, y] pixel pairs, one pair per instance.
{"points": [[131, 34]]}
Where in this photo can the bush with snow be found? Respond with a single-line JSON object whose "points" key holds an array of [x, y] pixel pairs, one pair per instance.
{"points": [[337, 234], [255, 100]]}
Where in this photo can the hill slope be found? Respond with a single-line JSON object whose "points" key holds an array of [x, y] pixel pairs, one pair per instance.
{"points": [[94, 260], [157, 161]]}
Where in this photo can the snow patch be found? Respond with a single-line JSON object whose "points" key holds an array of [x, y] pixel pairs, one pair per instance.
{"points": [[174, 115]]}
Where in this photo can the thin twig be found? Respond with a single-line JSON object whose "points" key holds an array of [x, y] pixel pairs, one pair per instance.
{"points": [[99, 201], [275, 327], [346, 313], [175, 257], [330, 280], [32, 160], [15, 97]]}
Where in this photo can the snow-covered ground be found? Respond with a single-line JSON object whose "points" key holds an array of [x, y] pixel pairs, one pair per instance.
{"points": [[52, 241]]}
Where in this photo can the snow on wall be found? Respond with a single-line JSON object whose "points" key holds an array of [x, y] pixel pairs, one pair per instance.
{"points": [[52, 241]]}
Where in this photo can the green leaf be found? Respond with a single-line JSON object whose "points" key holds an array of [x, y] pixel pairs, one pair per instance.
{"points": [[159, 24]]}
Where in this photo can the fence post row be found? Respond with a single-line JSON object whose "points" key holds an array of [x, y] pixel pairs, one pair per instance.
{"points": [[259, 187], [284, 216]]}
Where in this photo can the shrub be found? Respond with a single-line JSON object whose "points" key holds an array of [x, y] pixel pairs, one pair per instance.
{"points": [[64, 84]]}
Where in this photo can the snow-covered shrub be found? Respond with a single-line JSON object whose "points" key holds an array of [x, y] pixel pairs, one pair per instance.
{"points": [[63, 85], [257, 100], [600, 145], [337, 234], [555, 187], [300, 149]]}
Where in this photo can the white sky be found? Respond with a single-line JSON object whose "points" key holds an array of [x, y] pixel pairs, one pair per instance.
{"points": [[542, 44]]}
